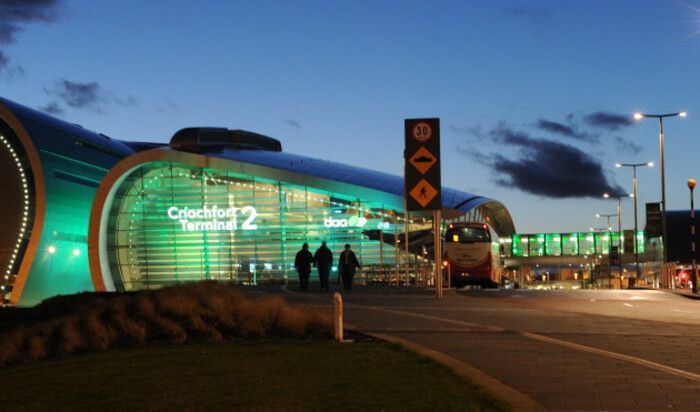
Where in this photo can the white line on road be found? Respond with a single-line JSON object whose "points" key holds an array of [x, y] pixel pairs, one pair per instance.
{"points": [[571, 345]]}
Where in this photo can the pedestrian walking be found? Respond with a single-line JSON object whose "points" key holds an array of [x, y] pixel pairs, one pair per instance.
{"points": [[347, 264], [302, 263], [323, 260]]}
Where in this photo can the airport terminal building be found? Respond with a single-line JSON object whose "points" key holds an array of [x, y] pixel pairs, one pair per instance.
{"points": [[86, 212]]}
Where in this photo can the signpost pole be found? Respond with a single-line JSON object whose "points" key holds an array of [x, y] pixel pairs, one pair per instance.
{"points": [[422, 183], [407, 260], [691, 186], [438, 255], [397, 262]]}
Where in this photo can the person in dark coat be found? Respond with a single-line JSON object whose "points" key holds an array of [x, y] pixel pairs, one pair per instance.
{"points": [[302, 263], [347, 264], [323, 260]]}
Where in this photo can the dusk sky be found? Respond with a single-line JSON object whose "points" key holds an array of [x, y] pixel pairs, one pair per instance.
{"points": [[535, 98]]}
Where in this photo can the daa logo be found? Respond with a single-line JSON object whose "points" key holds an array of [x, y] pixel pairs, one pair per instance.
{"points": [[354, 221]]}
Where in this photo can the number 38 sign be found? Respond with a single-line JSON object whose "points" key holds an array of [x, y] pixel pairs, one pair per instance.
{"points": [[422, 175]]}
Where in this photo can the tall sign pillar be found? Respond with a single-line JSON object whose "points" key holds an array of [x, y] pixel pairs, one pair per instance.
{"points": [[422, 178]]}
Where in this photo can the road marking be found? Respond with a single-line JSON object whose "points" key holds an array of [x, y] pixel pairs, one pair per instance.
{"points": [[571, 345], [542, 338], [628, 305], [638, 361]]}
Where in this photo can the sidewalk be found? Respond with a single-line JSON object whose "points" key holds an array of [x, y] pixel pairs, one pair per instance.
{"points": [[541, 359], [686, 293]]}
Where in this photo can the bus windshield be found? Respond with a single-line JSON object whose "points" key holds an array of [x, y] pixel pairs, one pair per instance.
{"points": [[467, 235]]}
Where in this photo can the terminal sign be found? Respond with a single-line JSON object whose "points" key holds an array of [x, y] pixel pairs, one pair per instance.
{"points": [[214, 219], [422, 155]]}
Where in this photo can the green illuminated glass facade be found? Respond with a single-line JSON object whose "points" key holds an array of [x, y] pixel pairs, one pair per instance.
{"points": [[86, 212], [564, 244], [172, 223], [553, 244]]}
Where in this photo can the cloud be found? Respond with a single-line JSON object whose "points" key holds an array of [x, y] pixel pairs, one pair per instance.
{"points": [[126, 102], [627, 146], [609, 121], [78, 95], [294, 124], [527, 11], [472, 131], [544, 167], [52, 108], [15, 14], [537, 15], [167, 105], [88, 95], [570, 131], [555, 127]]}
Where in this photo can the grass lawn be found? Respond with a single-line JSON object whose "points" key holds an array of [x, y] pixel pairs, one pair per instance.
{"points": [[248, 375]]}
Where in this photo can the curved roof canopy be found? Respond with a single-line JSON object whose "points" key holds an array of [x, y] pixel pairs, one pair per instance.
{"points": [[452, 200]]}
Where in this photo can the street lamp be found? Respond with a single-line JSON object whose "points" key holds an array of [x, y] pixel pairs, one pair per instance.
{"points": [[664, 237], [600, 230], [619, 227], [609, 244], [608, 216], [634, 167]]}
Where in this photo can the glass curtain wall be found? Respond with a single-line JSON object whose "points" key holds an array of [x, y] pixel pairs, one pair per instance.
{"points": [[566, 244], [173, 223]]}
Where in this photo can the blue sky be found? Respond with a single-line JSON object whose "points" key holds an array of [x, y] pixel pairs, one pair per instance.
{"points": [[535, 97]]}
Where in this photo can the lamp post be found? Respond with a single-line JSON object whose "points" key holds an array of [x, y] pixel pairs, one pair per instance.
{"points": [[664, 237], [597, 256], [634, 167], [600, 230], [609, 245], [691, 186], [619, 227], [608, 216]]}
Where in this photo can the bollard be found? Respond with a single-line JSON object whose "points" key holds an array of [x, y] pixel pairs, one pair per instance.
{"points": [[338, 316]]}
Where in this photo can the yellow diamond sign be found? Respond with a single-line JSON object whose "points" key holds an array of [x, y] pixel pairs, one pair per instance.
{"points": [[423, 193], [422, 160]]}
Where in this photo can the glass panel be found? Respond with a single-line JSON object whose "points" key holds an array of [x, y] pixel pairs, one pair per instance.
{"points": [[586, 243], [520, 245], [537, 245], [616, 239], [553, 244], [507, 246], [602, 243], [570, 244]]}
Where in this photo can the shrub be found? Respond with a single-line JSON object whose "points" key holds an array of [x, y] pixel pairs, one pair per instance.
{"points": [[194, 312]]}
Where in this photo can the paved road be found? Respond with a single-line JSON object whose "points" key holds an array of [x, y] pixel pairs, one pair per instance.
{"points": [[554, 350]]}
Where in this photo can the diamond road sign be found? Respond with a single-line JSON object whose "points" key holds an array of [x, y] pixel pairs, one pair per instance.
{"points": [[423, 193], [423, 160]]}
